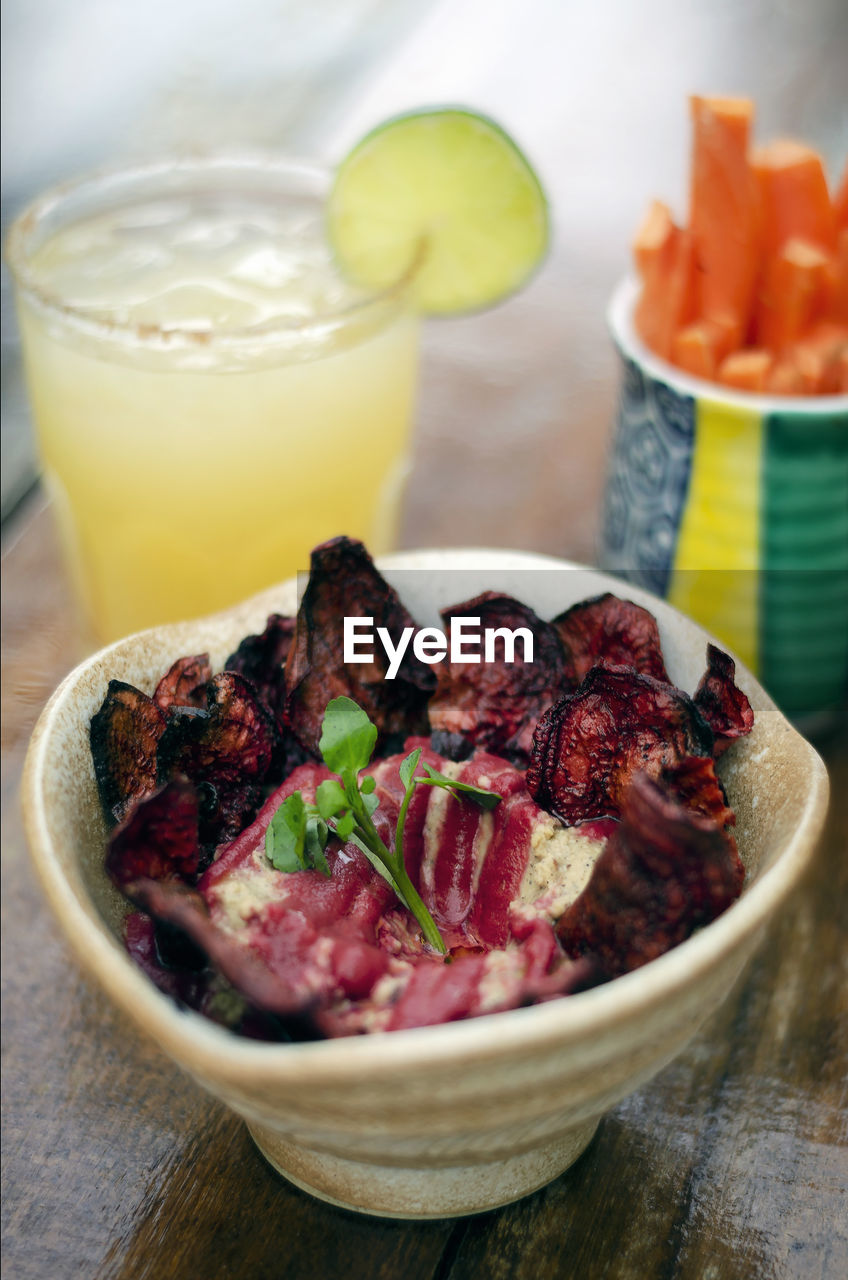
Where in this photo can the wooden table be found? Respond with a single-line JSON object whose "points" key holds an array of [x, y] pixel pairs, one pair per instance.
{"points": [[731, 1163]]}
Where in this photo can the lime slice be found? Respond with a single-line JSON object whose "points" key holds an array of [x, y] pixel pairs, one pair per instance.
{"points": [[446, 186]]}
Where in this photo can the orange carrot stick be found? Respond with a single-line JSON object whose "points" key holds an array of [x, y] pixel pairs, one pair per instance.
{"points": [[653, 238], [700, 347], [667, 299], [794, 199], [791, 293], [840, 202], [723, 211], [819, 356], [835, 303], [784, 378], [747, 369]]}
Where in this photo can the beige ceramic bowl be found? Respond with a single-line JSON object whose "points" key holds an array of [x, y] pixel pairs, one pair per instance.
{"points": [[458, 1118]]}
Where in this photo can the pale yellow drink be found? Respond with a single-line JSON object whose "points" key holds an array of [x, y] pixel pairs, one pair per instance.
{"points": [[211, 399]]}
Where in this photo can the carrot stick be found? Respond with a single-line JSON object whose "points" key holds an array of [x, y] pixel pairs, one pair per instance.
{"points": [[723, 211], [819, 357], [653, 238], [794, 199], [747, 369], [667, 299], [784, 378], [791, 292], [700, 347], [840, 201], [836, 281]]}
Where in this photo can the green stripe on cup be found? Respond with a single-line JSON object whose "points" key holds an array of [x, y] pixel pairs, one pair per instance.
{"points": [[804, 560]]}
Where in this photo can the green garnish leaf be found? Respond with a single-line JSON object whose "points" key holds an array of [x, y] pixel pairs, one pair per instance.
{"points": [[408, 766], [461, 790], [348, 737], [286, 835], [370, 803], [298, 833], [345, 826], [330, 798], [317, 834]]}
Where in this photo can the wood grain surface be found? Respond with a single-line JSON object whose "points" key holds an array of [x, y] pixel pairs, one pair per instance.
{"points": [[732, 1163]]}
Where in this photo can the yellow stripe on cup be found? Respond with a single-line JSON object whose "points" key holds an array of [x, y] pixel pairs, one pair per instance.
{"points": [[714, 573]]}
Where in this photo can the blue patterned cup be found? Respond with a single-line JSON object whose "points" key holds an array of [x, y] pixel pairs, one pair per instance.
{"points": [[734, 507]]}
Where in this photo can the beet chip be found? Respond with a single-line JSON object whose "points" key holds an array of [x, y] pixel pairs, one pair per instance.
{"points": [[262, 660], [588, 745], [664, 872], [227, 751], [610, 632], [234, 740], [124, 736], [695, 784], [344, 582], [723, 705], [158, 840], [183, 907], [184, 685], [495, 704]]}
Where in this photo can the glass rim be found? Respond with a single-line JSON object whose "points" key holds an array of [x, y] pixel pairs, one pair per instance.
{"points": [[148, 334]]}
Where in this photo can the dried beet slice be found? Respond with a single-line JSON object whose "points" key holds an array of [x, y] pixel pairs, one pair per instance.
{"points": [[158, 840], [228, 750], [494, 705], [695, 783], [234, 740], [343, 581], [183, 907], [610, 632], [721, 702], [124, 735], [184, 685], [588, 745], [665, 871], [261, 659]]}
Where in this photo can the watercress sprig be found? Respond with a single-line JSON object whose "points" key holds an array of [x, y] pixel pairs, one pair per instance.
{"points": [[344, 807]]}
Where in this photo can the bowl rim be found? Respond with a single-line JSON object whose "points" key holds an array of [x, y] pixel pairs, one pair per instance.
{"points": [[215, 1053], [620, 324]]}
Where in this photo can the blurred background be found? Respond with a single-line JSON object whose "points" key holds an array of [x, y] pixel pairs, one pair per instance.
{"points": [[520, 398]]}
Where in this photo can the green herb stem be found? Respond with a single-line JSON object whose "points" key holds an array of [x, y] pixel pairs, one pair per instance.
{"points": [[394, 864]]}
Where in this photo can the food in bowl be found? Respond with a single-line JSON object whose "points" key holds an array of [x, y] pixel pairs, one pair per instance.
{"points": [[554, 810], [753, 292]]}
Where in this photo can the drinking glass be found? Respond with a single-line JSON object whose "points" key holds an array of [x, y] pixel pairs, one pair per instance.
{"points": [[211, 398]]}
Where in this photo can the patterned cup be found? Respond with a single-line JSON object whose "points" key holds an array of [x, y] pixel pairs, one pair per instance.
{"points": [[734, 507]]}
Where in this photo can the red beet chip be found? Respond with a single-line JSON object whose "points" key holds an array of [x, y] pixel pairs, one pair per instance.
{"points": [[176, 904], [262, 660], [610, 632], [665, 871], [227, 752], [158, 840], [125, 734], [588, 745], [184, 685], [723, 705], [695, 783], [225, 810], [494, 705], [343, 582], [233, 742]]}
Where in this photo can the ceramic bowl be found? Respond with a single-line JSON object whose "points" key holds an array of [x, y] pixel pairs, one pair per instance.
{"points": [[735, 507], [458, 1118]]}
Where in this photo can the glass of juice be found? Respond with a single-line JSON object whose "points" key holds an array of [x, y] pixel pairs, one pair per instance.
{"points": [[211, 398]]}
